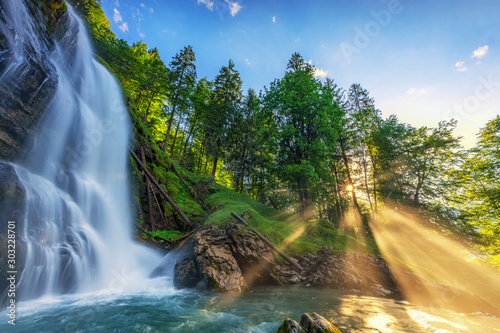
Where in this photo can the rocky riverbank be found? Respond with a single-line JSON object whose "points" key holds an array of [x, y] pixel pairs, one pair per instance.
{"points": [[233, 259]]}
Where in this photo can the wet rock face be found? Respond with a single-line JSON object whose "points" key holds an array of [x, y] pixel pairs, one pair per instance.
{"points": [[12, 202], [254, 257], [12, 197], [230, 259], [186, 274], [218, 268], [28, 79]]}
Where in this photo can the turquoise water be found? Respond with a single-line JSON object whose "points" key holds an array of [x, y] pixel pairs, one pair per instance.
{"points": [[262, 310]]}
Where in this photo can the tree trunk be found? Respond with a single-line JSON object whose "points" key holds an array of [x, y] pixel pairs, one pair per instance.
{"points": [[365, 173], [175, 137], [200, 160], [346, 163], [181, 156], [172, 114], [169, 128], [305, 199], [145, 115], [214, 168], [417, 190], [336, 189]]}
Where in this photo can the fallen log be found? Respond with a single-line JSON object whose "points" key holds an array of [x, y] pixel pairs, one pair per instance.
{"points": [[292, 261], [163, 192]]}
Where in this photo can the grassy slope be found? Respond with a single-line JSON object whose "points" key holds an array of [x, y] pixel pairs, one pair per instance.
{"points": [[287, 231]]}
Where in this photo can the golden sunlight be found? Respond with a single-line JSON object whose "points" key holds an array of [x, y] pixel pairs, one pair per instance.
{"points": [[431, 268]]}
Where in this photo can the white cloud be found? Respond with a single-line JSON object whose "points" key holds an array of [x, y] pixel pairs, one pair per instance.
{"points": [[297, 40], [320, 72], [209, 4], [139, 16], [142, 35], [117, 17], [460, 66], [234, 7], [117, 4], [274, 19], [123, 27], [415, 91], [247, 62], [480, 52], [143, 5], [151, 10]]}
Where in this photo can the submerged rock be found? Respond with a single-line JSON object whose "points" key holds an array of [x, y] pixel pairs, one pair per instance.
{"points": [[309, 323]]}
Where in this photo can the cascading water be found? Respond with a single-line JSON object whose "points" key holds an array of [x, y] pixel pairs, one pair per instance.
{"points": [[76, 235]]}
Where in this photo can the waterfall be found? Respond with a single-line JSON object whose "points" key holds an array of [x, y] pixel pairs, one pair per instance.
{"points": [[76, 236]]}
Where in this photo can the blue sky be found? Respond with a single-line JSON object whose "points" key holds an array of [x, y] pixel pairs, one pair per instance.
{"points": [[425, 61]]}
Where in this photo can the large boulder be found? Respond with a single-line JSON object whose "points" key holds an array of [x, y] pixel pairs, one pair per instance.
{"points": [[218, 268], [255, 259], [227, 259]]}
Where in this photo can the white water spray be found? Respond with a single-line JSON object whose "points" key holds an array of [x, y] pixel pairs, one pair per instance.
{"points": [[76, 236]]}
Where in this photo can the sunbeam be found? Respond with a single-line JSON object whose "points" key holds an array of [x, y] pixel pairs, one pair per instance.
{"points": [[433, 269]]}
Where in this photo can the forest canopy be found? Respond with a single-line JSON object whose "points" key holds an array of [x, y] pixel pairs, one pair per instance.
{"points": [[306, 145]]}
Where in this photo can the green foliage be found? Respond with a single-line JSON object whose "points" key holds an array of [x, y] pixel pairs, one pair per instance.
{"points": [[165, 234], [307, 122], [475, 190]]}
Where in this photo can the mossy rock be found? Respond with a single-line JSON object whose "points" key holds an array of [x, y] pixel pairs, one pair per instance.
{"points": [[290, 326]]}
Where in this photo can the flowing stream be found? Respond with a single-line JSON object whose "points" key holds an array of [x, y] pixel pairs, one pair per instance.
{"points": [[167, 310], [82, 270]]}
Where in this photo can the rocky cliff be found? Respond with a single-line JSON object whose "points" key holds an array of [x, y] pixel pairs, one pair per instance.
{"points": [[27, 79]]}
